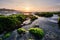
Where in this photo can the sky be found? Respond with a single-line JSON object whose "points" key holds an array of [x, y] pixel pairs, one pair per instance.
{"points": [[31, 5]]}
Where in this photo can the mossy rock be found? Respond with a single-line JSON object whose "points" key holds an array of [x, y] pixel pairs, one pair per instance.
{"points": [[37, 32], [21, 31], [0, 38], [7, 35]]}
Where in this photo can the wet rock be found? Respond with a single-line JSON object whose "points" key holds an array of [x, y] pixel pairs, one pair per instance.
{"points": [[50, 36]]}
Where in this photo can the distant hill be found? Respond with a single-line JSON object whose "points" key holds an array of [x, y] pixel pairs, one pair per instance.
{"points": [[4, 9]]}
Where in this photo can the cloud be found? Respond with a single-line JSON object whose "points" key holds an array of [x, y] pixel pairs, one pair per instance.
{"points": [[37, 4]]}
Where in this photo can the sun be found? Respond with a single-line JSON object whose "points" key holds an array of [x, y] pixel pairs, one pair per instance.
{"points": [[27, 9]]}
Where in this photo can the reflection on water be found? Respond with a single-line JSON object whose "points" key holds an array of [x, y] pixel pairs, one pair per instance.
{"points": [[27, 13], [54, 18]]}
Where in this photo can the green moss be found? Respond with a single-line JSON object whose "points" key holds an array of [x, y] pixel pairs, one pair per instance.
{"points": [[32, 17], [37, 32], [21, 31], [45, 14], [7, 35], [0, 38], [9, 23]]}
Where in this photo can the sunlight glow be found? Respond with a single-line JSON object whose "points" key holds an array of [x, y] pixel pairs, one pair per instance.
{"points": [[27, 9]]}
